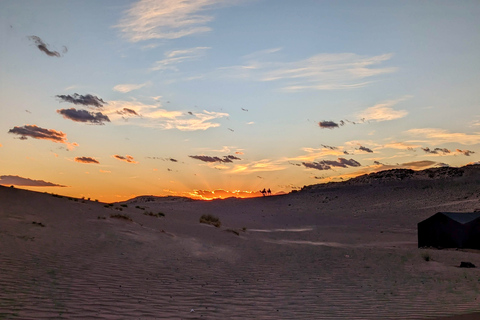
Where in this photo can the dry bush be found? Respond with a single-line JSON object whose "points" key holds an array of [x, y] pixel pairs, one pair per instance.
{"points": [[121, 216], [210, 219], [158, 215]]}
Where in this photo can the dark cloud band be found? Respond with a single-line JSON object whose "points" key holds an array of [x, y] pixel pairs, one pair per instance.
{"points": [[85, 100], [126, 158], [35, 132], [84, 116], [329, 164], [86, 160], [43, 47], [328, 124], [225, 159]]}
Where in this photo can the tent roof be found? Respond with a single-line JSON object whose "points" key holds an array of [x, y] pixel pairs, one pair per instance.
{"points": [[462, 217]]}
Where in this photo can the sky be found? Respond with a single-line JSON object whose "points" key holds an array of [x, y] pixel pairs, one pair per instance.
{"points": [[208, 99]]}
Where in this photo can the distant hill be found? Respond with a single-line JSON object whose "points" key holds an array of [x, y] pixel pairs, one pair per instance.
{"points": [[467, 173], [156, 199]]}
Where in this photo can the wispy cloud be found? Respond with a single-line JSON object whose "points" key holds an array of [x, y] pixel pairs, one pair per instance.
{"points": [[319, 72], [439, 136], [126, 158], [362, 148], [86, 160], [175, 57], [42, 46], [163, 159], [86, 100], [329, 164], [466, 152], [225, 159], [124, 88], [26, 182], [36, 132], [316, 153], [401, 145], [383, 112], [84, 116], [155, 116], [259, 166], [436, 150], [171, 19]]}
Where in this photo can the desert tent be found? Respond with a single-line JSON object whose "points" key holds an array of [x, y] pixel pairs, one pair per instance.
{"points": [[450, 230]]}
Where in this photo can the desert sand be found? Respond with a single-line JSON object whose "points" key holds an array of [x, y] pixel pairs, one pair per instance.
{"points": [[337, 251]]}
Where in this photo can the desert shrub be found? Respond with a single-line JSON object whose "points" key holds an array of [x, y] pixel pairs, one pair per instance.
{"points": [[426, 256], [124, 205], [210, 219], [38, 224], [121, 216], [141, 208], [151, 214]]}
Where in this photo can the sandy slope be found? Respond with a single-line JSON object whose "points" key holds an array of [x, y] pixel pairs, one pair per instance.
{"points": [[335, 252]]}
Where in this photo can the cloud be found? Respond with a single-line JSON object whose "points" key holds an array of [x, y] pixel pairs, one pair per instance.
{"points": [[365, 149], [172, 58], [225, 159], [86, 100], [328, 164], [328, 124], [153, 19], [127, 158], [465, 152], [315, 153], [86, 160], [124, 88], [83, 116], [438, 136], [35, 132], [222, 194], [163, 159], [383, 112], [157, 117], [319, 72], [128, 112], [259, 166], [401, 145], [43, 47], [26, 182], [436, 150]]}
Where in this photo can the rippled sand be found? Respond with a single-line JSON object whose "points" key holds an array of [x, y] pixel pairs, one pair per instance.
{"points": [[300, 258]]}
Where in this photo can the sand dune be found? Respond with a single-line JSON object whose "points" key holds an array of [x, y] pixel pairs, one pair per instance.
{"points": [[343, 251]]}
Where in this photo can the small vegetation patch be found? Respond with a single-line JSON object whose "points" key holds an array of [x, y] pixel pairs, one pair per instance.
{"points": [[141, 208], [151, 214], [210, 219], [121, 216], [124, 205], [426, 256], [38, 224], [101, 218]]}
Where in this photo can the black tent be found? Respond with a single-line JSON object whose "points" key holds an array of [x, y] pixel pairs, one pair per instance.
{"points": [[450, 230]]}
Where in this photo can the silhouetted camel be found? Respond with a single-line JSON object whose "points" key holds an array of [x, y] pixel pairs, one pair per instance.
{"points": [[264, 192], [269, 192]]}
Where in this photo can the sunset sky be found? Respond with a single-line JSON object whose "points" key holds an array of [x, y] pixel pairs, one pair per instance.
{"points": [[209, 98]]}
